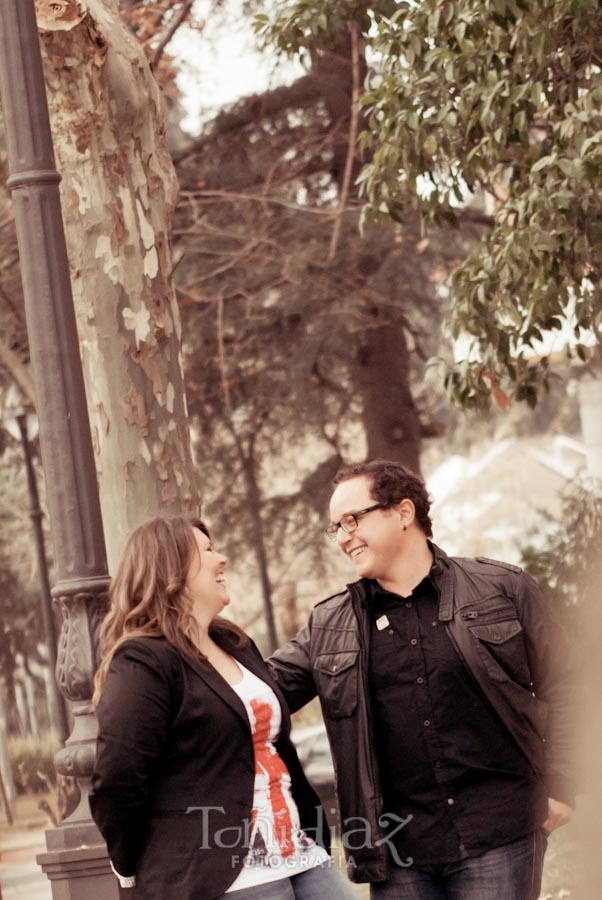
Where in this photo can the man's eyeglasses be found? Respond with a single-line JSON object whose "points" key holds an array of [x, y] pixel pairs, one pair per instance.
{"points": [[349, 522]]}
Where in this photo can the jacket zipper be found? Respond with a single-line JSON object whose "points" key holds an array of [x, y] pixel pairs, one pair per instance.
{"points": [[474, 614], [364, 636]]}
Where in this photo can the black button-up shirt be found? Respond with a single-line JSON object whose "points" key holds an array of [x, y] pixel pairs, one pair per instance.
{"points": [[446, 760]]}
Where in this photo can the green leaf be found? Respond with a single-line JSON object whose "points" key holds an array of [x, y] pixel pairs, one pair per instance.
{"points": [[570, 167], [544, 162], [430, 144], [591, 141]]}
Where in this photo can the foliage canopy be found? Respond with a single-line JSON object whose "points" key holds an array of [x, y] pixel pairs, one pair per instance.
{"points": [[497, 95]]}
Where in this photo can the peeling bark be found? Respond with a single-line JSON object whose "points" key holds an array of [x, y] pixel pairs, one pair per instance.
{"points": [[60, 15], [119, 190]]}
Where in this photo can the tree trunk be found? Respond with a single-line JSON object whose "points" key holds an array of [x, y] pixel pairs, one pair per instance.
{"points": [[257, 540], [290, 613], [390, 417], [6, 773], [333, 71], [118, 193], [389, 414]]}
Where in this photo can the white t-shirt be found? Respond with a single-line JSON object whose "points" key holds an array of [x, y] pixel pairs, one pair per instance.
{"points": [[278, 848]]}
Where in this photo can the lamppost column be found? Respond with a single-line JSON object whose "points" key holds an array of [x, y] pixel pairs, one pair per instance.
{"points": [[76, 862]]}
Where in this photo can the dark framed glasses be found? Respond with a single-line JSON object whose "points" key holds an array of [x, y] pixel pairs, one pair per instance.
{"points": [[349, 522]]}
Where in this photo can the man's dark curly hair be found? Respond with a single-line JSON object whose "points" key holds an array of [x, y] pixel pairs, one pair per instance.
{"points": [[392, 483]]}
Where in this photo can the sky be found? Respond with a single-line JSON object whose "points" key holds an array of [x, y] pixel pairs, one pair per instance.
{"points": [[223, 63]]}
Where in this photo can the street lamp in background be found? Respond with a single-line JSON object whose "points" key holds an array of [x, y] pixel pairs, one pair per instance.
{"points": [[22, 425]]}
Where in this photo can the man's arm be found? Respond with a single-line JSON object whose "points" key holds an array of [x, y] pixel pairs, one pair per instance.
{"points": [[291, 668], [554, 672]]}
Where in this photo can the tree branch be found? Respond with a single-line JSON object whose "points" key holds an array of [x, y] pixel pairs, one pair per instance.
{"points": [[222, 366], [303, 92], [353, 125], [475, 217], [19, 372], [260, 198], [169, 32]]}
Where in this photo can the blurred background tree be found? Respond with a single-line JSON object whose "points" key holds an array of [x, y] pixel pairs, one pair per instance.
{"points": [[566, 560]]}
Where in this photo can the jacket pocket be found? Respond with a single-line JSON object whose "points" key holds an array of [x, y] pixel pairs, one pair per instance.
{"points": [[336, 677], [502, 648]]}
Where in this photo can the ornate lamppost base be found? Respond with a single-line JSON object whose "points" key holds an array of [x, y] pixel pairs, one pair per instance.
{"points": [[77, 871]]}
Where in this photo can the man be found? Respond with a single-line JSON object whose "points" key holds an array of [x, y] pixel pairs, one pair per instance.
{"points": [[446, 696]]}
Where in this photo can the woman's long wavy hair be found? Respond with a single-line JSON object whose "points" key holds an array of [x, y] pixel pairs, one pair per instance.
{"points": [[148, 596]]}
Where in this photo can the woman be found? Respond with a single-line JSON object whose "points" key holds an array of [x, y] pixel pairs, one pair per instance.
{"points": [[197, 788]]}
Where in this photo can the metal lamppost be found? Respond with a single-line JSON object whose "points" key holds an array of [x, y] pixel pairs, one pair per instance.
{"points": [[76, 861]]}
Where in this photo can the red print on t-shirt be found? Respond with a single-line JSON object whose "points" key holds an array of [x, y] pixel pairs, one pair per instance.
{"points": [[267, 761]]}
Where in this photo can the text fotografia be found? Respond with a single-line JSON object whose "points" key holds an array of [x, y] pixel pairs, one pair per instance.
{"points": [[356, 834], [277, 862]]}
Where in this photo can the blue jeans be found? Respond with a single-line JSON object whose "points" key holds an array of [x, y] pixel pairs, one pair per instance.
{"points": [[320, 883], [511, 872]]}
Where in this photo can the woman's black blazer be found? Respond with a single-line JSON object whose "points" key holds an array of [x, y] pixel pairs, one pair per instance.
{"points": [[172, 789]]}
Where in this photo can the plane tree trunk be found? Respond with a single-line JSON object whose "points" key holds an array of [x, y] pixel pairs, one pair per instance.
{"points": [[118, 193]]}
